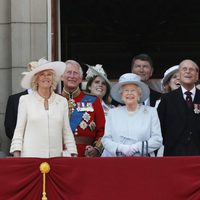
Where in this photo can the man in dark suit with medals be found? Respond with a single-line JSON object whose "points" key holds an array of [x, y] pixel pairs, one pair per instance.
{"points": [[87, 118], [142, 65], [179, 113]]}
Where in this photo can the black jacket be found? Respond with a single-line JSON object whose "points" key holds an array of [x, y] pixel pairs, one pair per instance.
{"points": [[11, 113], [179, 124]]}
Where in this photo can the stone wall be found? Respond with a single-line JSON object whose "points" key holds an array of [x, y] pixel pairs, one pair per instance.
{"points": [[23, 38]]}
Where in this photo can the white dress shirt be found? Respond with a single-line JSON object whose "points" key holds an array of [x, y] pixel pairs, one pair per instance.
{"points": [[193, 91]]}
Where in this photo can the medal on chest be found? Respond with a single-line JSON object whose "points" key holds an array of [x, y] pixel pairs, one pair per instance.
{"points": [[85, 107], [71, 105]]}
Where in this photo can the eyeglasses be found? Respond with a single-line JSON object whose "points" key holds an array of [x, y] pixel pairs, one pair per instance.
{"points": [[128, 91]]}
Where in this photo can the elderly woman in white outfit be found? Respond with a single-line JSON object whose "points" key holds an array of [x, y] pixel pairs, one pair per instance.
{"points": [[133, 129], [43, 128]]}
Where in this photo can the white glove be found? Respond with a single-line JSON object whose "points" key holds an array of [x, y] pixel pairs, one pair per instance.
{"points": [[125, 149], [128, 150], [134, 149]]}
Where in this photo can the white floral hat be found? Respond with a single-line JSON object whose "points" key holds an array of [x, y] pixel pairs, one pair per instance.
{"points": [[96, 70], [41, 65], [129, 78]]}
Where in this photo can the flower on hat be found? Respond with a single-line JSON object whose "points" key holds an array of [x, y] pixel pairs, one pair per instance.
{"points": [[34, 64], [95, 70]]}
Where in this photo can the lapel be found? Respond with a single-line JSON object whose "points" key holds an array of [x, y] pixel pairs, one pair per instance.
{"points": [[153, 97], [180, 103], [197, 97]]}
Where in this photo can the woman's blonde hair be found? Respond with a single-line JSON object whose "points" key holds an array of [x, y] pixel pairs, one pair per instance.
{"points": [[34, 81]]}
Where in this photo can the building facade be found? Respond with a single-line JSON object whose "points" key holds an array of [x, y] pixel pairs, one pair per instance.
{"points": [[24, 34]]}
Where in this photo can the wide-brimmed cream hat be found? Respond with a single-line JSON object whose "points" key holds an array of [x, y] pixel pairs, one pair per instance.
{"points": [[41, 65], [168, 73], [96, 70], [129, 78]]}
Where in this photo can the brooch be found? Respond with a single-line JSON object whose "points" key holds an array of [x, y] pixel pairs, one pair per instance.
{"points": [[196, 108], [145, 110]]}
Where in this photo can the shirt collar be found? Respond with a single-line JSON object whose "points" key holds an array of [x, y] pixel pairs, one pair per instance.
{"points": [[71, 95], [193, 91]]}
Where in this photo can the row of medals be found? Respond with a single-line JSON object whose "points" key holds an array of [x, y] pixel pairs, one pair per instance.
{"points": [[82, 107]]}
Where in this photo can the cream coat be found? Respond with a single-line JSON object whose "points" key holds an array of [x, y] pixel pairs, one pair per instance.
{"points": [[40, 132]]}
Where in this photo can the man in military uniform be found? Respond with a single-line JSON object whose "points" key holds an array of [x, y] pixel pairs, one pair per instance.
{"points": [[87, 118]]}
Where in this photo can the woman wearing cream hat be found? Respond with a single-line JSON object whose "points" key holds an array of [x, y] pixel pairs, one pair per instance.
{"points": [[132, 129], [42, 128]]}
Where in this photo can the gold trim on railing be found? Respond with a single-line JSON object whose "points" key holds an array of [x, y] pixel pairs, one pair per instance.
{"points": [[44, 168]]}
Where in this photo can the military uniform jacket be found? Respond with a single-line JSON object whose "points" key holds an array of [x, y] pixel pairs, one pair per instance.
{"points": [[91, 127]]}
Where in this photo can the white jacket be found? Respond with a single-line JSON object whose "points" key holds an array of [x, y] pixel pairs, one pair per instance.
{"points": [[40, 132]]}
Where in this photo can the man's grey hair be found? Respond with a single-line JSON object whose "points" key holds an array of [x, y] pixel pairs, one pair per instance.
{"points": [[73, 62], [194, 64]]}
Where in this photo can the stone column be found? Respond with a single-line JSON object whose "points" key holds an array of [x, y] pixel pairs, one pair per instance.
{"points": [[5, 67], [23, 38]]}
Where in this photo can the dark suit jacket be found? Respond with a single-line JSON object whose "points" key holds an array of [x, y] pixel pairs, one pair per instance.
{"points": [[154, 96], [173, 114], [11, 113]]}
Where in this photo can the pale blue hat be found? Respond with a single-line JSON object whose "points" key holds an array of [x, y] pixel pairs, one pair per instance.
{"points": [[129, 78]]}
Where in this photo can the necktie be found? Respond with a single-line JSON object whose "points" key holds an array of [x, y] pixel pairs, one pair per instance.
{"points": [[189, 99]]}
